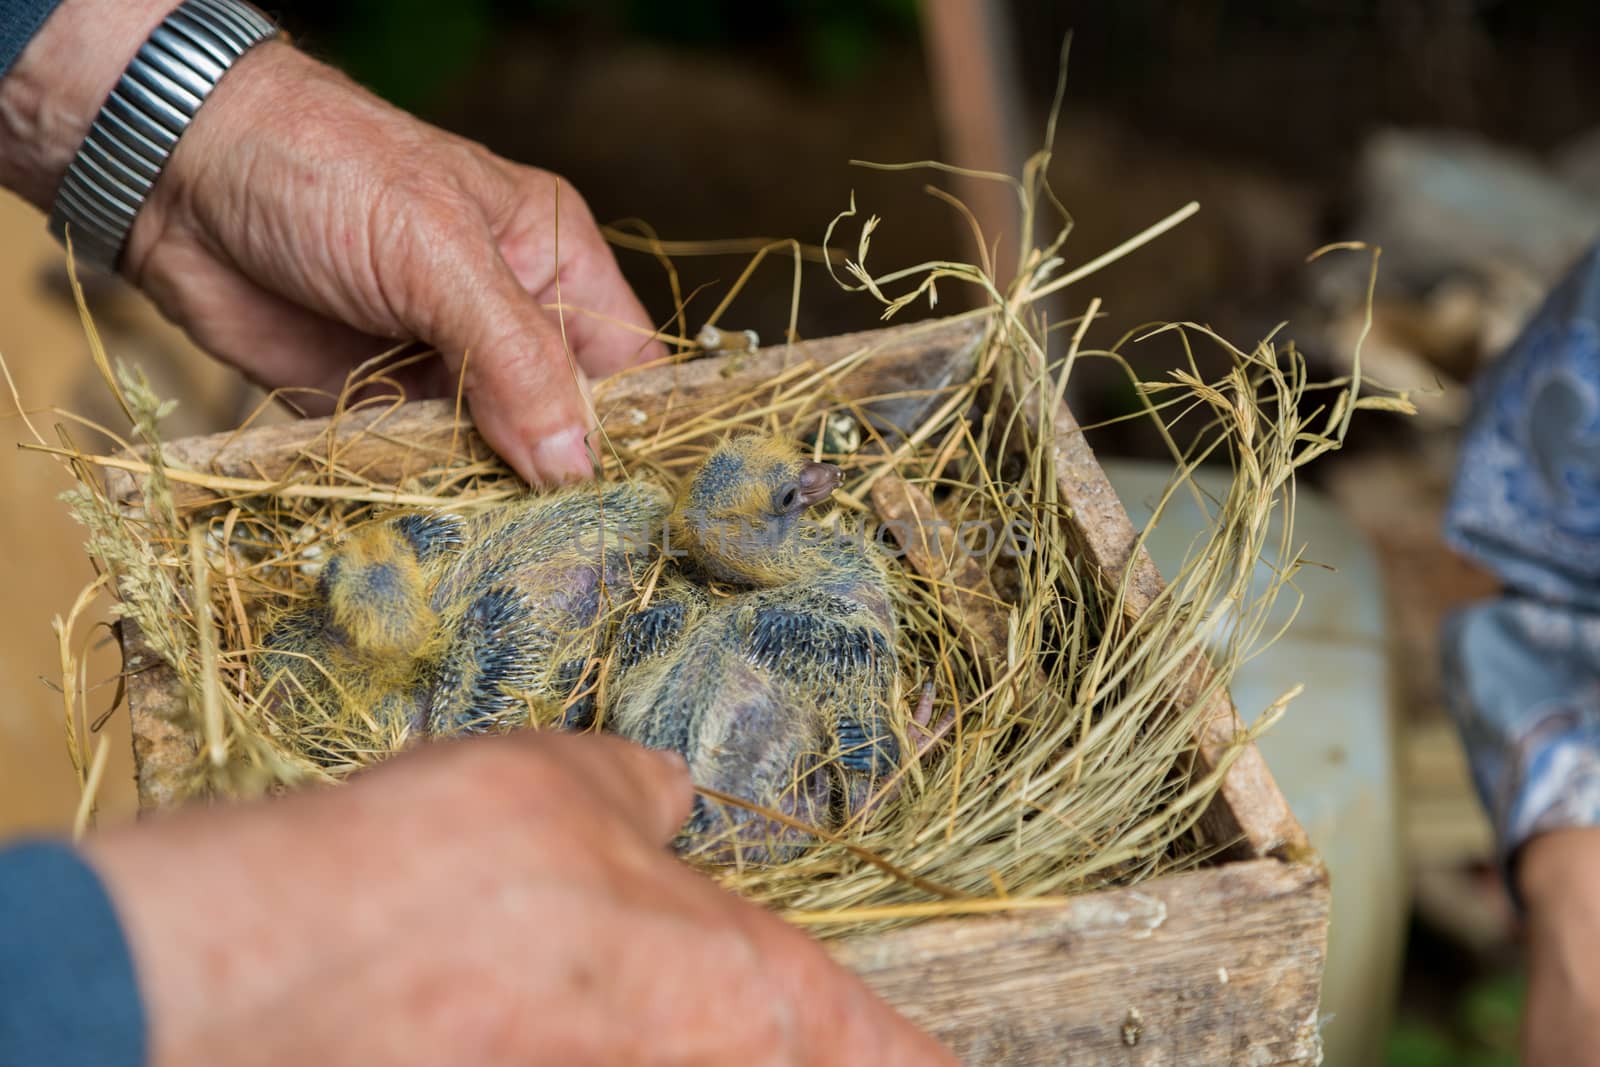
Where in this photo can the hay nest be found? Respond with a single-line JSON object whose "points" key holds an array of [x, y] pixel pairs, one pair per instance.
{"points": [[1069, 762]]}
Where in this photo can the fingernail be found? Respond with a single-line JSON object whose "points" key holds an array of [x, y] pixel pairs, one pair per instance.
{"points": [[562, 456]]}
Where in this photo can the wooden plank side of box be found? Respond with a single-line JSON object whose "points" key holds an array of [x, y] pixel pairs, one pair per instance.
{"points": [[163, 751], [1220, 965], [908, 368]]}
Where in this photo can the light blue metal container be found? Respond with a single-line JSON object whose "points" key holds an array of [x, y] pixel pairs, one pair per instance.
{"points": [[1333, 753]]}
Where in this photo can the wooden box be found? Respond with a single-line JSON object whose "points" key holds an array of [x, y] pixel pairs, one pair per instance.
{"points": [[1220, 965]]}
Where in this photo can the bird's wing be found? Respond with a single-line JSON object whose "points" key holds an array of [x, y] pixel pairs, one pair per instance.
{"points": [[487, 660], [830, 649], [431, 534], [655, 630]]}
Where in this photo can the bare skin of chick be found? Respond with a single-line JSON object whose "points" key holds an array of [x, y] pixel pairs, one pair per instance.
{"points": [[779, 693]]}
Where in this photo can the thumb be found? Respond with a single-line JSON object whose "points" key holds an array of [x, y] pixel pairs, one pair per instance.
{"points": [[646, 788], [525, 393]]}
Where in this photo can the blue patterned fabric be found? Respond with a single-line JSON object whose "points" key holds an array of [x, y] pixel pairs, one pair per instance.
{"points": [[1522, 673], [68, 996], [19, 21]]}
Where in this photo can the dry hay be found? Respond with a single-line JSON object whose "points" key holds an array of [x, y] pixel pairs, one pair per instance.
{"points": [[1069, 761]]}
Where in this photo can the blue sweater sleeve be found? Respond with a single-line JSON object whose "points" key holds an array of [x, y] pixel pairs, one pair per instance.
{"points": [[19, 21], [68, 995]]}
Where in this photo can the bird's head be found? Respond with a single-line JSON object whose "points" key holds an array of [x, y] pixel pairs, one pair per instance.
{"points": [[736, 517], [376, 595]]}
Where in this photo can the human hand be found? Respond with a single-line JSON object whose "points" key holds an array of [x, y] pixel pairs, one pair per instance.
{"points": [[495, 900], [301, 222], [1558, 874], [302, 226]]}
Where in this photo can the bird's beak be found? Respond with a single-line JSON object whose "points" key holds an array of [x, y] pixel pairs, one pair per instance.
{"points": [[818, 481]]}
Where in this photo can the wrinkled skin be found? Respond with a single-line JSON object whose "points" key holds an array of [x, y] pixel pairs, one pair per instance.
{"points": [[551, 926], [450, 244], [302, 226]]}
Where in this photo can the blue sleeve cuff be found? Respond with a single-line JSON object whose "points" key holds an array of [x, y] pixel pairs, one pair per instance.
{"points": [[68, 993], [1522, 678], [19, 21]]}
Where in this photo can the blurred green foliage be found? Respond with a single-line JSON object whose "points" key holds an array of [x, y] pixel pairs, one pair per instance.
{"points": [[837, 37], [1483, 1032], [408, 51]]}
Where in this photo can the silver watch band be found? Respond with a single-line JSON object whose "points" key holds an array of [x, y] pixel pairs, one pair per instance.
{"points": [[140, 123]]}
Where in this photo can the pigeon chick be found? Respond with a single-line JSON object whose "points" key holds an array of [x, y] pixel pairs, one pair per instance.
{"points": [[430, 622], [363, 644], [531, 601], [780, 692]]}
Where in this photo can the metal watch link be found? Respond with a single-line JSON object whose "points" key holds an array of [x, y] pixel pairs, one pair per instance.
{"points": [[138, 126]]}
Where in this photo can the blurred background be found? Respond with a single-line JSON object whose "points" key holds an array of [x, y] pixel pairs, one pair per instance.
{"points": [[1463, 137]]}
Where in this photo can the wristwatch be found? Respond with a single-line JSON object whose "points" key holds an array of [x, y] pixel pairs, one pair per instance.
{"points": [[137, 128]]}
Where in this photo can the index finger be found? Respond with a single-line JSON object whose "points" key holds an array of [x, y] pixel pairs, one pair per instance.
{"points": [[524, 395], [585, 294]]}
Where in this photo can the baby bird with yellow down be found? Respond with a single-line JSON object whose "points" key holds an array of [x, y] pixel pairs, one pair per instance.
{"points": [[767, 658], [361, 647], [434, 623], [533, 601]]}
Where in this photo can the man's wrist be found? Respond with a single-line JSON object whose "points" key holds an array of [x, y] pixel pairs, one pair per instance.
{"points": [[217, 139], [1559, 868], [50, 97]]}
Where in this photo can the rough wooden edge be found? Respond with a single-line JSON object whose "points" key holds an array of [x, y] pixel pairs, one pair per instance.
{"points": [[1249, 815], [162, 751], [1220, 965], [636, 404]]}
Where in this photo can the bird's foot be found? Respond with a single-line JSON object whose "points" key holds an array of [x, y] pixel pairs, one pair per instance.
{"points": [[862, 799], [924, 736]]}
